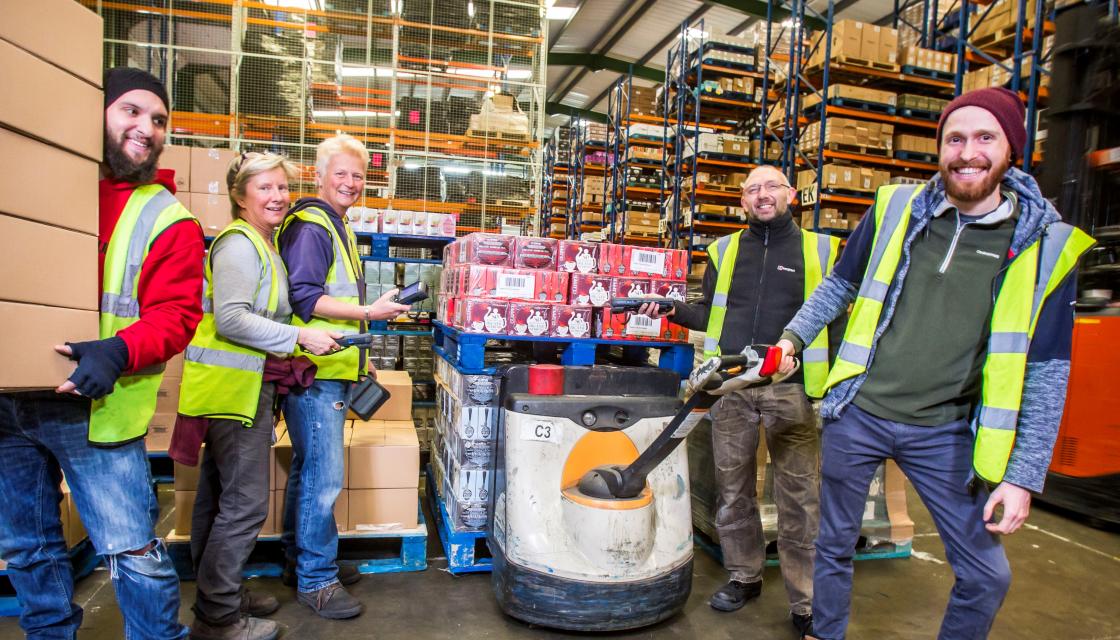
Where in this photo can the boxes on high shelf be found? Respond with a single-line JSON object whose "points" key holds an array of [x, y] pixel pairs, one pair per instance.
{"points": [[979, 78], [1002, 16], [916, 144], [828, 219], [922, 58], [835, 176], [773, 149], [852, 92], [735, 145], [847, 131]]}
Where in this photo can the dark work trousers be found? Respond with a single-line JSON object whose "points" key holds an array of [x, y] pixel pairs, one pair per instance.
{"points": [[230, 509], [938, 462], [787, 417]]}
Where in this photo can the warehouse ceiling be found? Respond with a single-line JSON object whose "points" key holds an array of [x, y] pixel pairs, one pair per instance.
{"points": [[591, 49]]}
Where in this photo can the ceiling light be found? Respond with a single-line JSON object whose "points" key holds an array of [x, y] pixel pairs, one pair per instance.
{"points": [[561, 13]]}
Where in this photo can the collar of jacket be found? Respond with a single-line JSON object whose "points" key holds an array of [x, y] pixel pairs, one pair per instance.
{"points": [[1035, 212], [304, 203], [782, 225]]}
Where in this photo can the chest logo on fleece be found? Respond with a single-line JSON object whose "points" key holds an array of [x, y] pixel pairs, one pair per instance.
{"points": [[786, 269], [987, 253]]}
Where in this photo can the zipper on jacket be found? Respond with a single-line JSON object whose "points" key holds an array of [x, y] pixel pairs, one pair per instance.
{"points": [[952, 245], [761, 280]]}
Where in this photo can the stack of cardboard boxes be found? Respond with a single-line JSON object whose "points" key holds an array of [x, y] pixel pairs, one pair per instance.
{"points": [[51, 117], [915, 144], [200, 177], [594, 190], [846, 131], [1002, 17], [381, 470], [921, 103], [643, 100], [852, 92], [914, 14], [773, 150], [641, 223], [914, 56], [724, 143], [859, 43], [835, 176]]}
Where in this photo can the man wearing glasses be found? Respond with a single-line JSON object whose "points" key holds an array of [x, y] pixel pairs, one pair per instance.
{"points": [[755, 282]]}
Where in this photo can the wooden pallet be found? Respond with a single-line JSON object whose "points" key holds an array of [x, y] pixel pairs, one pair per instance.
{"points": [[721, 188], [860, 62], [504, 136]]}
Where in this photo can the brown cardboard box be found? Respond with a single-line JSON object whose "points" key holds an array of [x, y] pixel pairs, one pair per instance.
{"points": [[28, 334], [72, 530], [282, 458], [167, 396], [30, 186], [71, 119], [33, 271], [383, 509], [270, 526], [384, 457], [62, 32], [184, 509], [399, 386], [178, 159], [184, 198], [208, 170], [160, 427], [186, 478], [213, 212], [341, 509], [174, 366]]}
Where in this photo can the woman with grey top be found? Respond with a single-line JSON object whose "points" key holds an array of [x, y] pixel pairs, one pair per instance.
{"points": [[245, 323]]}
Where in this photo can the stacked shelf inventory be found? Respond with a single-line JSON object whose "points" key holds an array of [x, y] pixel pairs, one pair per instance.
{"points": [[447, 98], [560, 192], [636, 143]]}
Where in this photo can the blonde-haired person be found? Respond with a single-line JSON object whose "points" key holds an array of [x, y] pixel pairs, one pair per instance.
{"points": [[328, 292], [246, 321]]}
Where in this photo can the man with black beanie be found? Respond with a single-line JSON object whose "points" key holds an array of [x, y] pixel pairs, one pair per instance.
{"points": [[954, 362], [91, 428]]}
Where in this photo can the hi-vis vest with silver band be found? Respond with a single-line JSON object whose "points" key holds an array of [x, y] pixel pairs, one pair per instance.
{"points": [[1029, 280], [221, 378], [343, 279], [819, 253], [124, 414]]}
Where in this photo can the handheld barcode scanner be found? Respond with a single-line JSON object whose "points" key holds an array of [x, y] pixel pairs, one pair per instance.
{"points": [[591, 526]]}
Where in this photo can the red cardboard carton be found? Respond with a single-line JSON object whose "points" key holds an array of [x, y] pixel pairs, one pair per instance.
{"points": [[483, 315], [491, 249], [571, 321], [627, 326], [594, 290], [535, 253], [669, 289], [578, 257], [530, 319], [552, 286], [630, 287], [614, 259], [673, 332]]}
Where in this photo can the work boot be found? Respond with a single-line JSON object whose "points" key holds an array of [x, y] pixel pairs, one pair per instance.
{"points": [[332, 602], [246, 628], [258, 604], [803, 622], [348, 574], [733, 595]]}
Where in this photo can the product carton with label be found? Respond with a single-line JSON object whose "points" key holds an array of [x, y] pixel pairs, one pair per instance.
{"points": [[627, 326], [209, 168], [571, 321], [576, 256], [483, 315], [590, 289], [530, 319]]}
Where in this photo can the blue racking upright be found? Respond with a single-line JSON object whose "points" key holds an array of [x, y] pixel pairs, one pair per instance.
{"points": [[681, 109], [618, 154], [577, 148], [548, 179]]}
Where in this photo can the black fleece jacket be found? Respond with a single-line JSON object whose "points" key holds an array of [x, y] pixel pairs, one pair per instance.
{"points": [[767, 289]]}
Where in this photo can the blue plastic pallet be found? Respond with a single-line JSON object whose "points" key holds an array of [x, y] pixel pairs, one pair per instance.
{"points": [[932, 74], [860, 105], [467, 351], [914, 156], [163, 468], [83, 560], [919, 114], [267, 560], [458, 546]]}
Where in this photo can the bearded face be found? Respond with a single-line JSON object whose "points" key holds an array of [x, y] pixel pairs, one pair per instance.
{"points": [[135, 130], [975, 155]]}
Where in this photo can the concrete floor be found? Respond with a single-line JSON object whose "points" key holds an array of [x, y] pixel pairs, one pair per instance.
{"points": [[1066, 574]]}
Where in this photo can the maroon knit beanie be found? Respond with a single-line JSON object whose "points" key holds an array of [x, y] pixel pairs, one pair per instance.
{"points": [[1002, 103]]}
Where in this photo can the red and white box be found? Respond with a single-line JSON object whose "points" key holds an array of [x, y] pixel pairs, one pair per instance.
{"points": [[673, 332], [492, 249], [483, 315], [578, 257], [571, 321], [589, 289], [614, 259], [475, 280], [535, 253], [668, 264], [515, 284], [552, 286], [630, 287], [445, 312], [388, 221], [530, 319], [674, 289], [627, 326], [451, 255]]}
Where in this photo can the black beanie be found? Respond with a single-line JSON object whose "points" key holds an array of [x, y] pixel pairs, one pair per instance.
{"points": [[120, 80]]}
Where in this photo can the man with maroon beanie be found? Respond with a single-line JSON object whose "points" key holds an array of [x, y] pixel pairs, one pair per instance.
{"points": [[91, 427], [954, 362]]}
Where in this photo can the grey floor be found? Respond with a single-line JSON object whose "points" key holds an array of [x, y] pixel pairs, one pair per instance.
{"points": [[1066, 586]]}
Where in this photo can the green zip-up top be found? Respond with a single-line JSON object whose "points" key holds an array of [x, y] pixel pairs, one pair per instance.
{"points": [[919, 377]]}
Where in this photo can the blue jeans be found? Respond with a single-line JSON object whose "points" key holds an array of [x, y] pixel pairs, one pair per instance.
{"points": [[938, 461], [42, 436], [316, 417]]}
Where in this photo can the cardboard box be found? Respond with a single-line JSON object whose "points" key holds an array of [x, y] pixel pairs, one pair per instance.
{"points": [[28, 334], [184, 509], [62, 32], [178, 159], [73, 116], [73, 531], [184, 198], [386, 456], [30, 186], [380, 509], [158, 438], [208, 170], [341, 509], [38, 254], [399, 404], [213, 211]]}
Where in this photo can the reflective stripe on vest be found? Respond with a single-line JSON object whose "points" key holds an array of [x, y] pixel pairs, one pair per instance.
{"points": [[221, 378], [818, 253], [343, 279], [1030, 279], [124, 414]]}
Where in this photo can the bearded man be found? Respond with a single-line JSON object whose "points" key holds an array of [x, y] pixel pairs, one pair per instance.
{"points": [[954, 362]]}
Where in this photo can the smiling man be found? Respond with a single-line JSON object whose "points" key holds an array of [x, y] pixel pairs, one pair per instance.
{"points": [[755, 281], [954, 362], [92, 427], [327, 291]]}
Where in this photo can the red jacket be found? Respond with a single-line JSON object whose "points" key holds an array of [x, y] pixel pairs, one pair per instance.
{"points": [[170, 290]]}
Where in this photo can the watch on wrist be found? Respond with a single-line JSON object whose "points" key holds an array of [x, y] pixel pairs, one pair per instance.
{"points": [[365, 312]]}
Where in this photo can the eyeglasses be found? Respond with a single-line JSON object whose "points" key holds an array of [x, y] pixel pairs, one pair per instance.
{"points": [[771, 187]]}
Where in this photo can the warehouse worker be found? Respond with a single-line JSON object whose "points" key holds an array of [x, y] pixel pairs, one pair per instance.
{"points": [[327, 293], [755, 281], [245, 322], [92, 429], [955, 359]]}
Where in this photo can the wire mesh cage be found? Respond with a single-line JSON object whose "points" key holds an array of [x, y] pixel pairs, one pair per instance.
{"points": [[447, 95]]}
